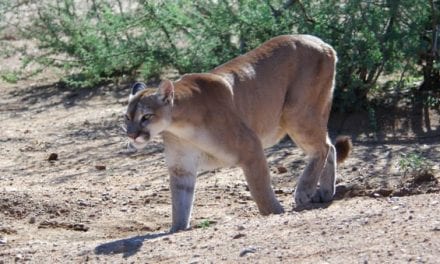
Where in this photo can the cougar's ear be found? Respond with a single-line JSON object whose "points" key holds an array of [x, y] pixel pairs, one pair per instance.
{"points": [[136, 87], [166, 91]]}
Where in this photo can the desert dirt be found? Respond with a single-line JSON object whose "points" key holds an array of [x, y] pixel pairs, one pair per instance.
{"points": [[71, 191]]}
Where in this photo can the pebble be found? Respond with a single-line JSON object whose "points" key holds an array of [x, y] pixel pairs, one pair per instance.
{"points": [[83, 203], [239, 235], [394, 199], [18, 257], [281, 169], [100, 167], [52, 157], [248, 250], [135, 188], [278, 191], [3, 241]]}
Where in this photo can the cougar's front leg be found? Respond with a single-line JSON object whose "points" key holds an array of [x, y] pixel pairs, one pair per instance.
{"points": [[182, 186], [254, 165], [182, 161]]}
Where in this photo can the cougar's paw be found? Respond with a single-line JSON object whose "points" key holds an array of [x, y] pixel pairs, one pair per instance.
{"points": [[273, 208], [322, 196], [278, 209], [303, 197], [178, 227]]}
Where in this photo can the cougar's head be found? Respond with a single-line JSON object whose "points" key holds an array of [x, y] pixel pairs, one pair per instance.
{"points": [[148, 114]]}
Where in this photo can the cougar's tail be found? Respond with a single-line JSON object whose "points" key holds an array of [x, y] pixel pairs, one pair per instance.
{"points": [[343, 147]]}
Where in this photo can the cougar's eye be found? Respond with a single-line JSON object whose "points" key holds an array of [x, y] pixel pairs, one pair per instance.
{"points": [[146, 117]]}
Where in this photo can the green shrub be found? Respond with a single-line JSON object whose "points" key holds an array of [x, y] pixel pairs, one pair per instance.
{"points": [[414, 163], [100, 40], [371, 38], [10, 76]]}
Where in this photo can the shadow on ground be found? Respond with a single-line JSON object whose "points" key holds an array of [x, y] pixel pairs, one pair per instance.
{"points": [[127, 247], [56, 94]]}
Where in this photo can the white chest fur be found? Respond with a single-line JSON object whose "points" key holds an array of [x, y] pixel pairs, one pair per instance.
{"points": [[199, 144]]}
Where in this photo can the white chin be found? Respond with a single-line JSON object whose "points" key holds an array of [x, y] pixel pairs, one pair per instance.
{"points": [[139, 143]]}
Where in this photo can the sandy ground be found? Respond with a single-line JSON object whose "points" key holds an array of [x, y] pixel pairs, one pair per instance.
{"points": [[98, 201]]}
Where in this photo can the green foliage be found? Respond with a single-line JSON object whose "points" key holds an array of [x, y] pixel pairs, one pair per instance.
{"points": [[414, 163], [100, 40], [372, 119], [205, 224], [432, 101], [10, 76], [97, 44], [371, 38]]}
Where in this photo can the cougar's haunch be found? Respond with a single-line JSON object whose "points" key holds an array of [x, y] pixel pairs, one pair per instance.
{"points": [[226, 117]]}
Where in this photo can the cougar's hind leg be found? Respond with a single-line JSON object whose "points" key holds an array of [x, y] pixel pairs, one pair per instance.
{"points": [[307, 183], [337, 153], [312, 139], [305, 115], [327, 181]]}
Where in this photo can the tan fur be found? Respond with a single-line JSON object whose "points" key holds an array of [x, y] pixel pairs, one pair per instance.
{"points": [[227, 116]]}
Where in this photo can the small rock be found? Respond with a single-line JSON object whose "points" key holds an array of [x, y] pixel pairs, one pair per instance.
{"points": [[239, 235], [281, 169], [18, 257], [83, 203], [52, 157], [32, 220], [383, 192], [100, 167], [279, 191], [134, 187], [393, 199], [240, 228], [248, 250], [79, 227], [3, 241]]}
